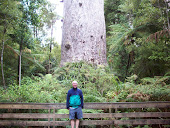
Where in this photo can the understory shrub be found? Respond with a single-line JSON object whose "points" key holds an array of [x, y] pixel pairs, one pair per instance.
{"points": [[97, 84]]}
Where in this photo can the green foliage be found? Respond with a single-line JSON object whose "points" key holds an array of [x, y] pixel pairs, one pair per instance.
{"points": [[150, 89], [145, 126], [151, 58], [97, 85], [38, 90], [116, 52], [94, 81], [21, 25], [41, 53], [138, 52], [141, 45], [112, 13]]}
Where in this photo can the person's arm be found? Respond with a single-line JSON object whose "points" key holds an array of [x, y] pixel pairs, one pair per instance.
{"points": [[82, 100], [67, 101]]}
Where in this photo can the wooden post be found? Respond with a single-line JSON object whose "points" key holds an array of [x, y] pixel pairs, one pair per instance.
{"points": [[54, 117], [115, 110], [116, 117], [110, 111], [101, 125], [49, 118]]}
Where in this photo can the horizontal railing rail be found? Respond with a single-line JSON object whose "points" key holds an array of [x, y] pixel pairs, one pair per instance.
{"points": [[28, 114], [159, 104]]}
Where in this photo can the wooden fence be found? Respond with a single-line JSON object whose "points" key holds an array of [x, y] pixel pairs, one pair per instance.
{"points": [[45, 114]]}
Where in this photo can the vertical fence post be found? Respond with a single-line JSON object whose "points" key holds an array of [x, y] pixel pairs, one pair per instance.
{"points": [[115, 117], [115, 111], [110, 111], [54, 117], [49, 118]]}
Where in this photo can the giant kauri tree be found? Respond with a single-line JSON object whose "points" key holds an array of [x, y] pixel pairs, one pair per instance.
{"points": [[84, 34]]}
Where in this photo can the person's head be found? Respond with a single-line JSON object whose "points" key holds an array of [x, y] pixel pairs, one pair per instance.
{"points": [[74, 83]]}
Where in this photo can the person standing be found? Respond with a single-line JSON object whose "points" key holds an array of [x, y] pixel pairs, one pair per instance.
{"points": [[75, 104]]}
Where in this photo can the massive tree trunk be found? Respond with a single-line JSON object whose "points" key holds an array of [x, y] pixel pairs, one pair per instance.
{"points": [[84, 34]]}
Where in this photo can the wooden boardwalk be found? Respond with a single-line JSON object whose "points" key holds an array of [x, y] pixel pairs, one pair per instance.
{"points": [[44, 114]]}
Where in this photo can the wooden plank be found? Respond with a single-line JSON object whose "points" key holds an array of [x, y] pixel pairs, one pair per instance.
{"points": [[33, 123], [32, 116], [46, 116], [96, 122], [142, 121], [84, 122], [97, 115], [127, 105], [142, 114], [85, 115], [52, 123], [86, 105], [32, 106]]}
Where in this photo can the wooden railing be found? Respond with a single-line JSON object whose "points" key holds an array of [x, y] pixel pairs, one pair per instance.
{"points": [[44, 114]]}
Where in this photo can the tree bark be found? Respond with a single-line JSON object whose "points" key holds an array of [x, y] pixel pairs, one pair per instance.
{"points": [[51, 42], [167, 10], [2, 69], [84, 33], [2, 55], [20, 55]]}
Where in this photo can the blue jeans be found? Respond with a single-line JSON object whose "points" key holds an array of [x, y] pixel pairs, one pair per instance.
{"points": [[75, 113]]}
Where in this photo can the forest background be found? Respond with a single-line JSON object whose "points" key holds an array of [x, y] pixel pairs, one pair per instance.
{"points": [[137, 54]]}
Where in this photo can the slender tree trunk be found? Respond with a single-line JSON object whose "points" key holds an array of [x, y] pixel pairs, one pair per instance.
{"points": [[50, 65], [2, 55], [128, 64], [34, 32], [84, 34], [20, 55], [167, 10], [2, 69]]}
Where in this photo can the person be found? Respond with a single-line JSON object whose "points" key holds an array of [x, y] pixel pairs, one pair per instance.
{"points": [[75, 104]]}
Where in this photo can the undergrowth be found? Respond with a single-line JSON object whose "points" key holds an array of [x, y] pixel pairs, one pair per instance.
{"points": [[97, 84]]}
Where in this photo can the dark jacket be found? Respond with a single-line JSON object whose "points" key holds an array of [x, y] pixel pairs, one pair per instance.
{"points": [[74, 91]]}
